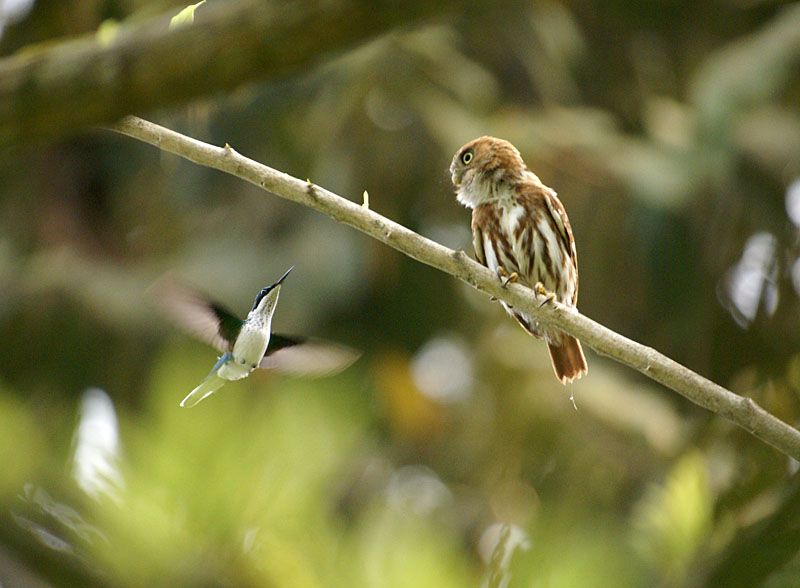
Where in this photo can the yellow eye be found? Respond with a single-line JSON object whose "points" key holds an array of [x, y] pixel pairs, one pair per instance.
{"points": [[466, 157]]}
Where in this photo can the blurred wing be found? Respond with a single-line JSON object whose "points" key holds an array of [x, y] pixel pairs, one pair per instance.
{"points": [[299, 356], [192, 311]]}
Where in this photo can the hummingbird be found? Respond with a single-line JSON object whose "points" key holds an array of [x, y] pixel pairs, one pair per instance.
{"points": [[245, 344]]}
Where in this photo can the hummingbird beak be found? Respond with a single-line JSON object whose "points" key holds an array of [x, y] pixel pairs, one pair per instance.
{"points": [[283, 277], [271, 291]]}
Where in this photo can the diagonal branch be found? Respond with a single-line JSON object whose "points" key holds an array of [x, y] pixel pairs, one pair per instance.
{"points": [[741, 410]]}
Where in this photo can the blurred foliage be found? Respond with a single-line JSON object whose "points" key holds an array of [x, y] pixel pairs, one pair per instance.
{"points": [[448, 455]]}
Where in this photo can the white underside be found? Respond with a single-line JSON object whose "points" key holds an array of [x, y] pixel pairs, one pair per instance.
{"points": [[247, 353], [233, 370], [536, 271]]}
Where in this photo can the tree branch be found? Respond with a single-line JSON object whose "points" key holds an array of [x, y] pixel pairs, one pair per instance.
{"points": [[50, 92], [740, 410]]}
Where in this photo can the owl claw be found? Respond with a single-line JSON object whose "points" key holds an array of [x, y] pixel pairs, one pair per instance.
{"points": [[512, 278], [542, 291], [505, 277]]}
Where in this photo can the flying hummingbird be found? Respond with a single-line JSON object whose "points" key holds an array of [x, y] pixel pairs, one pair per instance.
{"points": [[245, 344]]}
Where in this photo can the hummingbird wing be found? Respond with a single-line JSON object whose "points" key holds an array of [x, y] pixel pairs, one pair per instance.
{"points": [[301, 356], [194, 312]]}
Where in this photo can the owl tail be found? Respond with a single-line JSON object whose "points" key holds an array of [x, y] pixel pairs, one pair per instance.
{"points": [[567, 358]]}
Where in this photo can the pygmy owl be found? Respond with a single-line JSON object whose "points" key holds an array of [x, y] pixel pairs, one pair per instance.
{"points": [[520, 231]]}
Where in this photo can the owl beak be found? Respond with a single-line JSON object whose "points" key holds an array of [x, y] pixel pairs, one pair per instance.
{"points": [[455, 173]]}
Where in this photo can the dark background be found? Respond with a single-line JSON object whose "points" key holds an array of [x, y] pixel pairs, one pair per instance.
{"points": [[671, 132]]}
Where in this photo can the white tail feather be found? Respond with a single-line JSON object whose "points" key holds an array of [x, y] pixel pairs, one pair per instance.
{"points": [[206, 388]]}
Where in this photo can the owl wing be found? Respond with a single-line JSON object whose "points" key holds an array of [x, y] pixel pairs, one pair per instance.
{"points": [[477, 244], [559, 215]]}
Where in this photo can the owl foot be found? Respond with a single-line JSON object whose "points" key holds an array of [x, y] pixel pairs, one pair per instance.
{"points": [[542, 291], [505, 277]]}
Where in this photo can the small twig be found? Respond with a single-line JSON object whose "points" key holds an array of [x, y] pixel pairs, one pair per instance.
{"points": [[740, 410]]}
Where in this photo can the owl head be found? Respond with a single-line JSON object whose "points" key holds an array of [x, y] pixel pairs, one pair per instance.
{"points": [[485, 166]]}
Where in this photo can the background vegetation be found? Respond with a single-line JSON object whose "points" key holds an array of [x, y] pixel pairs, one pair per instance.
{"points": [[671, 132]]}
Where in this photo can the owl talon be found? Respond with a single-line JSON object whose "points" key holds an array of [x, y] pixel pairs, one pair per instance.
{"points": [[505, 277], [542, 291]]}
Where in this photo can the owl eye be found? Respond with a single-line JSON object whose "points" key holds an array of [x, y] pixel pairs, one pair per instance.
{"points": [[466, 157]]}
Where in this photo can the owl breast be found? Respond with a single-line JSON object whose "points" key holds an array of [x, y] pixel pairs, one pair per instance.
{"points": [[515, 238]]}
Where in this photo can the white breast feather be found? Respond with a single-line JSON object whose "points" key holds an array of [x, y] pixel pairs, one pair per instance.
{"points": [[475, 192], [509, 217], [247, 352], [489, 253]]}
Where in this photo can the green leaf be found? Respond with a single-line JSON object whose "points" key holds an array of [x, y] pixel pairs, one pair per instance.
{"points": [[185, 16]]}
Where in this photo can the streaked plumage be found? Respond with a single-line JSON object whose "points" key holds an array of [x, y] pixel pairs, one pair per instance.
{"points": [[520, 227], [245, 344]]}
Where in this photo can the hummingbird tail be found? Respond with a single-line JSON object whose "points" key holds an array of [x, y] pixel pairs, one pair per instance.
{"points": [[206, 388]]}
